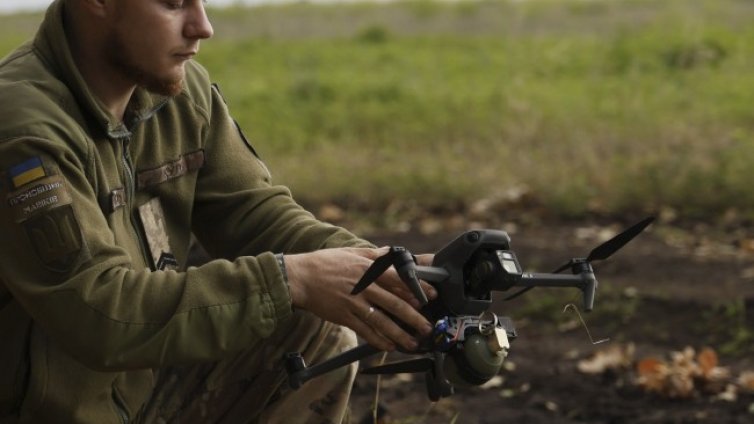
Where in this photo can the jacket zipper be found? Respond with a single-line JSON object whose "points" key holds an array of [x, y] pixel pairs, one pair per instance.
{"points": [[120, 408], [130, 194], [121, 414]]}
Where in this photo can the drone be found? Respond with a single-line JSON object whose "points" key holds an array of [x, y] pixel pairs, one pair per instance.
{"points": [[469, 342]]}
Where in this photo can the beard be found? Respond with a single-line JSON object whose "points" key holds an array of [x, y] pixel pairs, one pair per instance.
{"points": [[118, 56]]}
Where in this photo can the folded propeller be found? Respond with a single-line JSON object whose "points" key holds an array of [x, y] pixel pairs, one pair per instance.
{"points": [[404, 262]]}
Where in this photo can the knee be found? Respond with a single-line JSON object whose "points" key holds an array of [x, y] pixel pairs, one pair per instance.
{"points": [[318, 338], [340, 338]]}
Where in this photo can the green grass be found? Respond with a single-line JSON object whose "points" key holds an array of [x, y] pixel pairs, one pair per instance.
{"points": [[730, 327], [611, 107]]}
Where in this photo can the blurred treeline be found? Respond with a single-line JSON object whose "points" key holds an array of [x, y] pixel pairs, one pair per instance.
{"points": [[575, 106]]}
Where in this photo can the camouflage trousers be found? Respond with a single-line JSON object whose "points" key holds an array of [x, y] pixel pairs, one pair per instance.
{"points": [[252, 387]]}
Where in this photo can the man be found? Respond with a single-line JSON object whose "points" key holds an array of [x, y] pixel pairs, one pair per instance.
{"points": [[114, 148]]}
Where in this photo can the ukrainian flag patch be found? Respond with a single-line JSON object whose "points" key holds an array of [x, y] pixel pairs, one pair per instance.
{"points": [[26, 172]]}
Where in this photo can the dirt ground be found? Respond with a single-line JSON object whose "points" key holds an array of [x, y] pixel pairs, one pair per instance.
{"points": [[670, 288]]}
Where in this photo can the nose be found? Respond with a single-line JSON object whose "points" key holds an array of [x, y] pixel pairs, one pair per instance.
{"points": [[198, 26]]}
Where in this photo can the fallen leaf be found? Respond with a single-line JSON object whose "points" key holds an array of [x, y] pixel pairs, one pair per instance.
{"points": [[649, 366], [684, 358], [746, 381], [652, 375], [492, 383], [747, 245], [507, 393], [730, 394], [614, 357], [707, 360], [685, 375], [679, 385], [551, 406]]}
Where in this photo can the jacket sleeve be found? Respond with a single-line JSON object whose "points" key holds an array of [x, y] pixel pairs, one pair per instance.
{"points": [[59, 260], [237, 209]]}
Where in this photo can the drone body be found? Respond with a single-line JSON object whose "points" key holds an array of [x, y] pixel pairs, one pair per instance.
{"points": [[469, 343]]}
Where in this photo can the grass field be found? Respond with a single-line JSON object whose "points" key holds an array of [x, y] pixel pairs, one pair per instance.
{"points": [[612, 107]]}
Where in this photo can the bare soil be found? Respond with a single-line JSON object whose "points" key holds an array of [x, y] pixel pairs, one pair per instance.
{"points": [[670, 288]]}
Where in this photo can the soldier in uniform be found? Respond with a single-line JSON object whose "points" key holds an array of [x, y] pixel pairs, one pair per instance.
{"points": [[114, 149]]}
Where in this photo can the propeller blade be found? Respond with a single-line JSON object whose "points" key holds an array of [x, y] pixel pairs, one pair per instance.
{"points": [[606, 249], [410, 366], [603, 251], [378, 267]]}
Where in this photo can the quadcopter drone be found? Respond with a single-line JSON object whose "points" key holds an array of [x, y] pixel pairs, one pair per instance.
{"points": [[469, 342]]}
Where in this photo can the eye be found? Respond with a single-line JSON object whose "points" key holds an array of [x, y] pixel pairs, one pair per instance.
{"points": [[174, 5]]}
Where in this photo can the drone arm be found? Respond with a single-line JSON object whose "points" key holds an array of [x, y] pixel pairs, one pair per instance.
{"points": [[432, 274], [585, 281], [549, 280], [299, 373]]}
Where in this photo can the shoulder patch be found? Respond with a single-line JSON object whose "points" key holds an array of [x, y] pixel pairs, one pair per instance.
{"points": [[26, 172], [39, 196], [56, 237]]}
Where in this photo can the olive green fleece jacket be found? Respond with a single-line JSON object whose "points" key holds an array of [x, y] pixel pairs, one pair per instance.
{"points": [[84, 315]]}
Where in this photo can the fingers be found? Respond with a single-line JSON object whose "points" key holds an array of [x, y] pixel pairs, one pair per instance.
{"points": [[424, 260], [370, 253], [366, 332], [390, 308], [388, 303], [408, 296], [383, 314], [380, 331], [381, 323], [390, 279]]}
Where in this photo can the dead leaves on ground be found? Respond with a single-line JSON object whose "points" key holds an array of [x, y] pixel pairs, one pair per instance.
{"points": [[615, 357], [686, 374], [682, 374]]}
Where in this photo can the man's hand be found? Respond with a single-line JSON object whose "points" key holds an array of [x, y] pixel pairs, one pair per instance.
{"points": [[321, 282]]}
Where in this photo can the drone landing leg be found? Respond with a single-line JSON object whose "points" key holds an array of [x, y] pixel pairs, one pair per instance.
{"points": [[438, 386], [299, 373]]}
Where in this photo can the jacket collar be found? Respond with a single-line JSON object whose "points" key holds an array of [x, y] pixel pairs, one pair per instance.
{"points": [[53, 47]]}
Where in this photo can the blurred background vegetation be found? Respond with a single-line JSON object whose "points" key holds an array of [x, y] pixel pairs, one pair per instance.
{"points": [[580, 107]]}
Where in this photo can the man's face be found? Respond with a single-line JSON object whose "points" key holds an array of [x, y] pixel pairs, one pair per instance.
{"points": [[150, 41]]}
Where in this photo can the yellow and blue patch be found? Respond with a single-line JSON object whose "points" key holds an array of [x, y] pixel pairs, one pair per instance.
{"points": [[26, 172]]}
